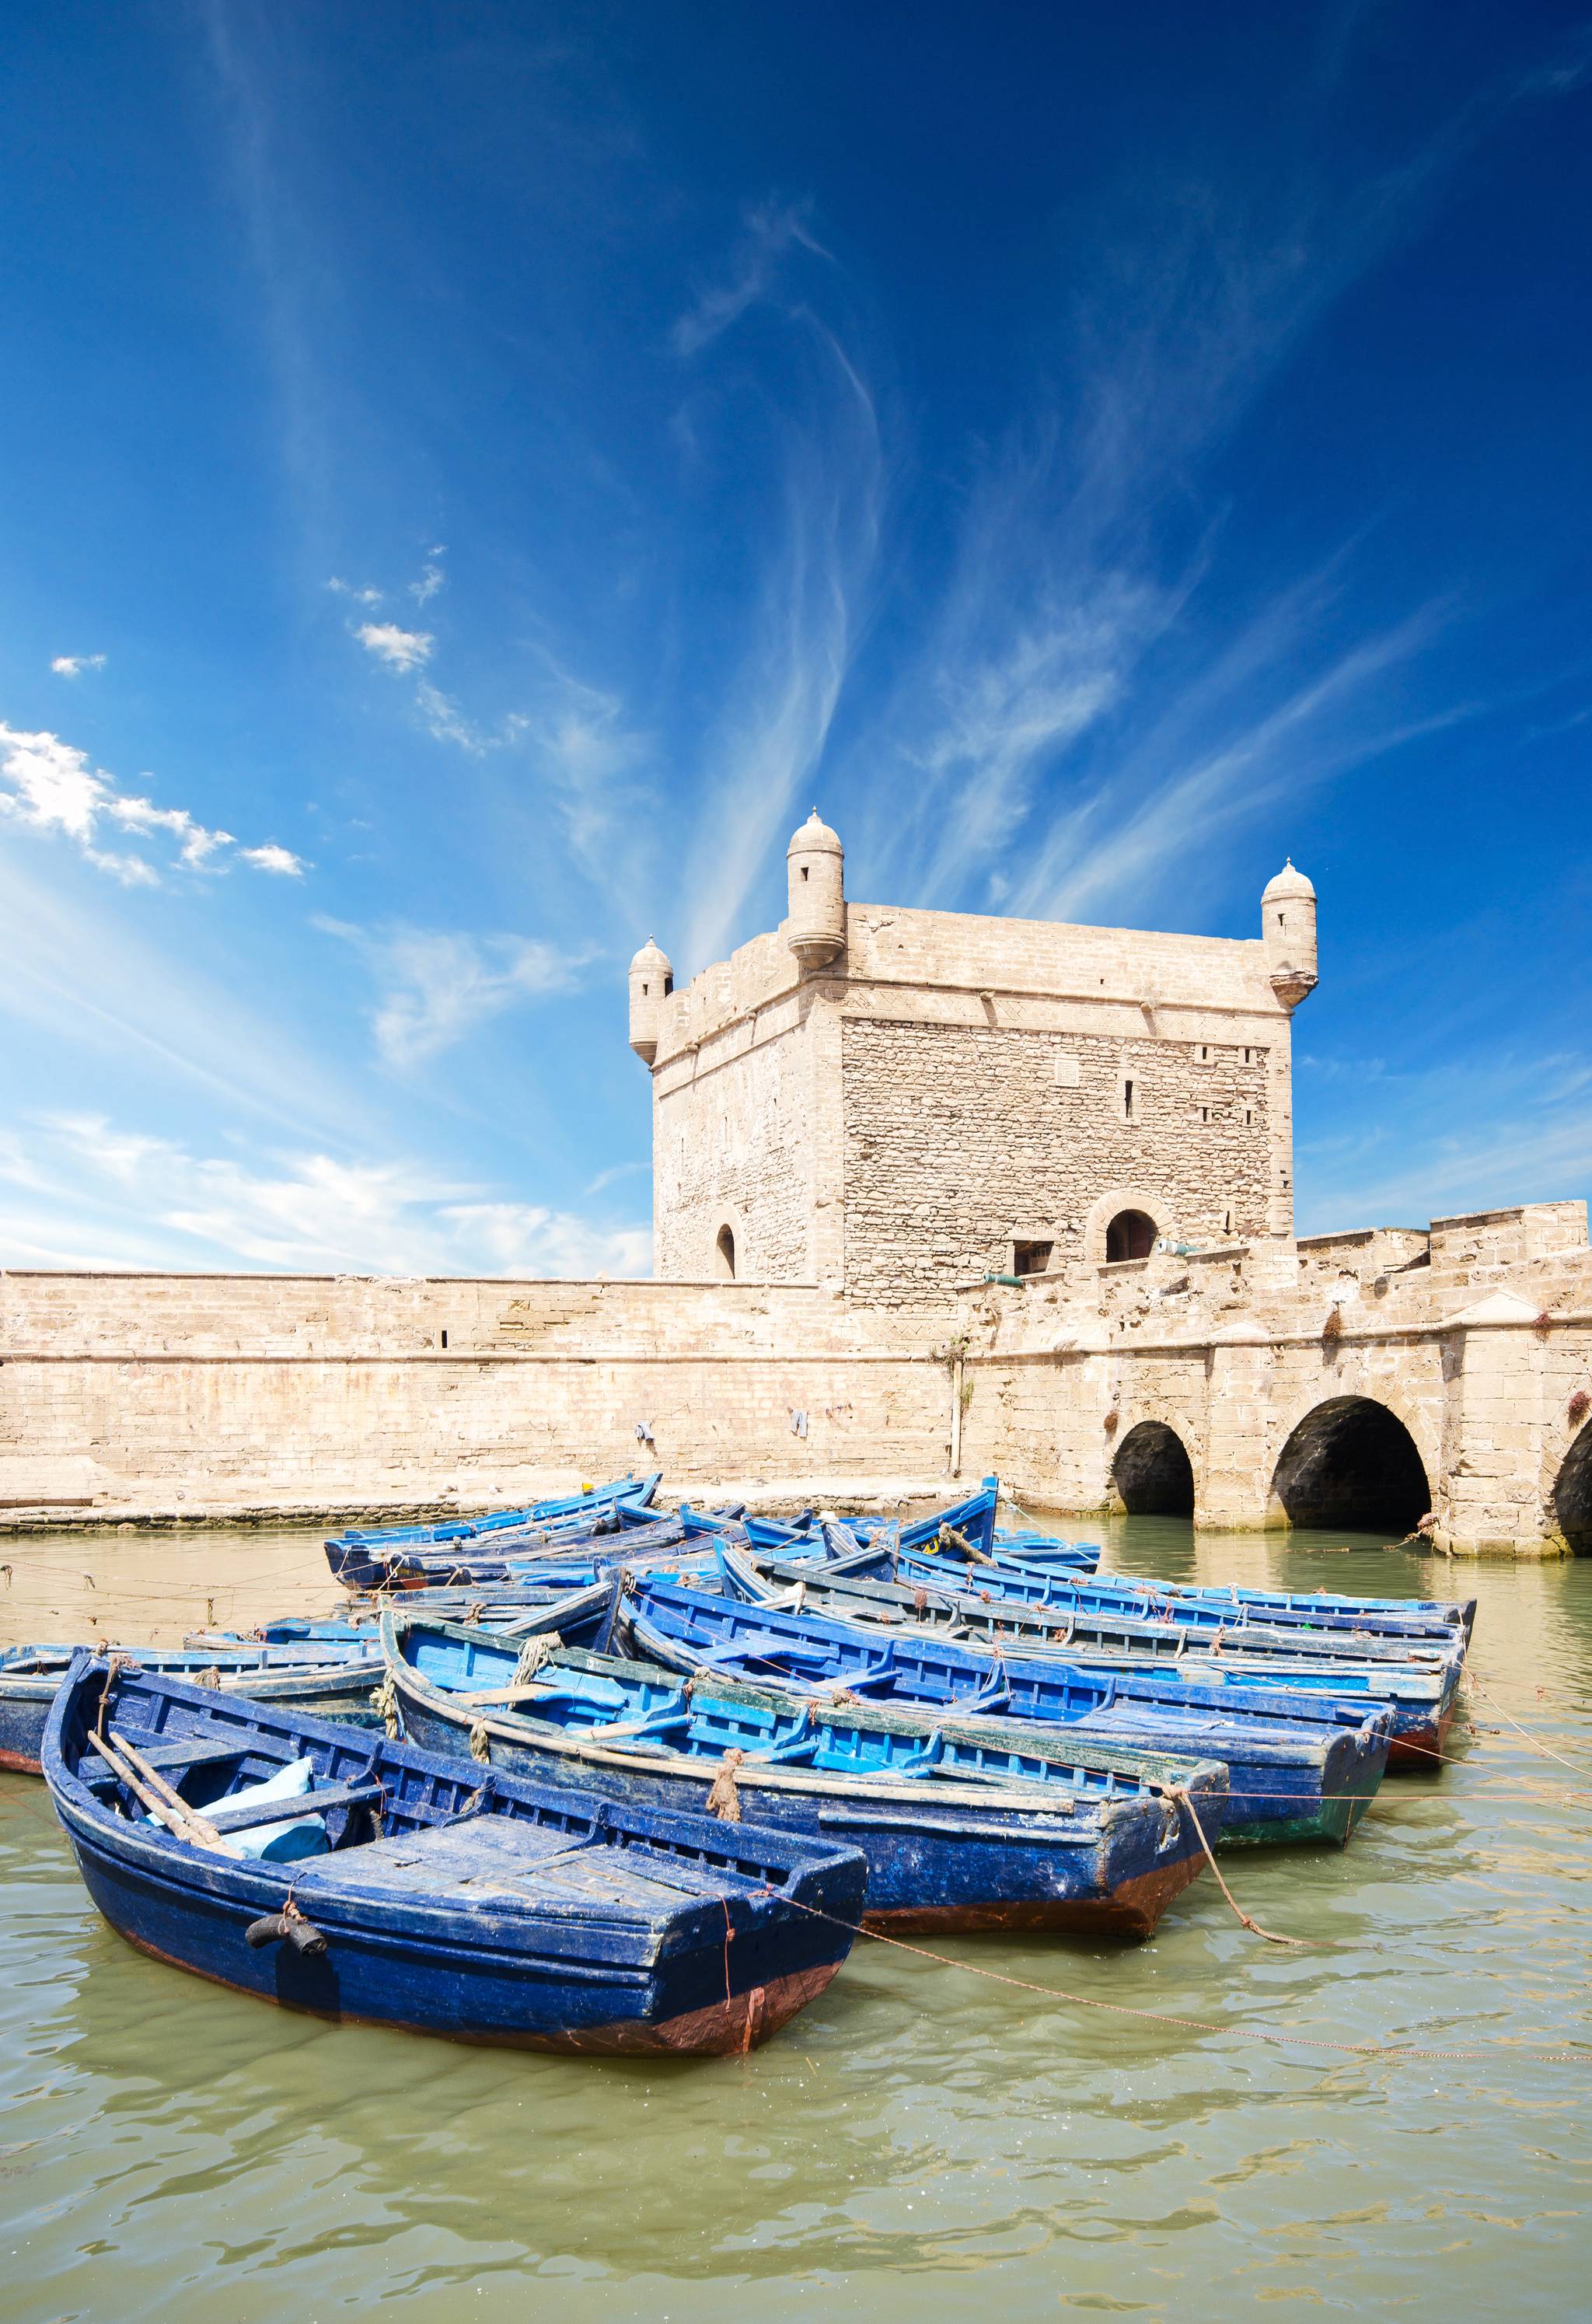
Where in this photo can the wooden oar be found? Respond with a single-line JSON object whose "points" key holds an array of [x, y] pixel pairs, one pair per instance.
{"points": [[507, 1693], [147, 1784]]}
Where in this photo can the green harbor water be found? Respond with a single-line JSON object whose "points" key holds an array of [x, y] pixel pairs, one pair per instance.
{"points": [[922, 2142]]}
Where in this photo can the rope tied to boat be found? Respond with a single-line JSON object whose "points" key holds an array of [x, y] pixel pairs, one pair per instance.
{"points": [[480, 1746], [1184, 1798], [533, 1653], [723, 1800], [384, 1699]]}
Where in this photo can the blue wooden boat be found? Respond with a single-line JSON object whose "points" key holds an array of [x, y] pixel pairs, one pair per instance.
{"points": [[361, 1879], [1298, 1768], [1308, 1605], [573, 1613], [577, 1509], [329, 1680], [966, 1529], [1416, 1684], [626, 1535], [364, 1559], [1225, 1615], [965, 1823]]}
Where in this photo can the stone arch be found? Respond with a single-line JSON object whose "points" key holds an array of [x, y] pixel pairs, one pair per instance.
{"points": [[1111, 1205], [1151, 1474], [1352, 1462], [1572, 1495], [724, 1253]]}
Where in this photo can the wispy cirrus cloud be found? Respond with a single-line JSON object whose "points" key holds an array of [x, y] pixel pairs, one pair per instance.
{"points": [[78, 1190], [1085, 598], [436, 986], [807, 613], [74, 665], [1405, 1146], [770, 230], [585, 750], [51, 786], [362, 594], [432, 578]]}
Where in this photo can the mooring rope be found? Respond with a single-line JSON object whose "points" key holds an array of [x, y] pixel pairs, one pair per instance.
{"points": [[1187, 1799], [1576, 1766]]}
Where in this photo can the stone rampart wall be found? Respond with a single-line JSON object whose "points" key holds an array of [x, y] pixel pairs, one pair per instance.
{"points": [[218, 1393], [204, 1394]]}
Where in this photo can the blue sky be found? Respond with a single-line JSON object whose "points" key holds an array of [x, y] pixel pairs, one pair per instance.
{"points": [[474, 475]]}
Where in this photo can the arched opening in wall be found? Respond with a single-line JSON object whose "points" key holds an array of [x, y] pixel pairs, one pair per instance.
{"points": [[725, 1249], [1130, 1235], [1572, 1494], [1153, 1474], [1350, 1463]]}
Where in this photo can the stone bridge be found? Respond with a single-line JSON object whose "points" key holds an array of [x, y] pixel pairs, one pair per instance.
{"points": [[1374, 1381]]}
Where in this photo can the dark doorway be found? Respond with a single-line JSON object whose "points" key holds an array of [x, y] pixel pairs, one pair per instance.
{"points": [[726, 1249], [1130, 1235], [1153, 1474], [1572, 1495], [1349, 1463]]}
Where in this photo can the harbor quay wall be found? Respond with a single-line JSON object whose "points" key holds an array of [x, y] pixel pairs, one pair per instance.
{"points": [[218, 1396], [1291, 1373]]}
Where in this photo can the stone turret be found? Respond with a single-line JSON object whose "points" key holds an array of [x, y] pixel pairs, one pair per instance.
{"points": [[653, 980], [1288, 927], [815, 861]]}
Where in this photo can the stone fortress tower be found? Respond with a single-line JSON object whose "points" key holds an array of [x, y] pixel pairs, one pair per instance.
{"points": [[894, 1103]]}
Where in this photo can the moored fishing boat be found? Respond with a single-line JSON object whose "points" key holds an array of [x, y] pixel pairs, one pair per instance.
{"points": [[1298, 1768], [372, 1559], [327, 1679], [1215, 1614], [965, 1823], [633, 1537], [361, 1879], [1417, 1687]]}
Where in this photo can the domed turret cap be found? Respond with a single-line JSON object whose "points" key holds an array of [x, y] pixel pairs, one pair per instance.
{"points": [[815, 838], [651, 956], [1288, 882]]}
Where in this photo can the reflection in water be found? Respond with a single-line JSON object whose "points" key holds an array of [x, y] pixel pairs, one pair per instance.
{"points": [[918, 2140]]}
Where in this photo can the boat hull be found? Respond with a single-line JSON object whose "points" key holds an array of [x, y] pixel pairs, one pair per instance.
{"points": [[1298, 1778], [481, 1909], [489, 2003], [1096, 1874]]}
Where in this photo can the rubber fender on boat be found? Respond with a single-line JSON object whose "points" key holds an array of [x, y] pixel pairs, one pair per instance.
{"points": [[272, 1927]]}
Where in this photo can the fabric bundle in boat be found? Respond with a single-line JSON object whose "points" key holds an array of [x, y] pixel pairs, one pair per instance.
{"points": [[296, 1836]]}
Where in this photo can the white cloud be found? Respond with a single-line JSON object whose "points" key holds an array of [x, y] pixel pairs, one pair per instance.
{"points": [[1490, 1131], [366, 596], [74, 665], [432, 578], [587, 754], [272, 858], [402, 649], [83, 1191], [53, 788], [446, 721], [768, 233], [764, 754], [434, 986]]}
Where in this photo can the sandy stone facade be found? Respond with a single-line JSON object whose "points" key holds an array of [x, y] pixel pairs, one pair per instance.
{"points": [[893, 1155], [937, 1096]]}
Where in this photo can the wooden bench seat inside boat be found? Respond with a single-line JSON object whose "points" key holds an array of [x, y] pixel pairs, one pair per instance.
{"points": [[507, 1856]]}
